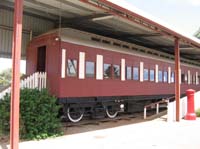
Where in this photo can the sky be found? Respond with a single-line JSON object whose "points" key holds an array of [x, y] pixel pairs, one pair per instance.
{"points": [[181, 14]]}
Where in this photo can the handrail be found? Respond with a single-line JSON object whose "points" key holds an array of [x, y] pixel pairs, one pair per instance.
{"points": [[157, 105]]}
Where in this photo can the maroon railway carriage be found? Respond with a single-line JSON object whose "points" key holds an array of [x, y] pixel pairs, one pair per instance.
{"points": [[93, 74]]}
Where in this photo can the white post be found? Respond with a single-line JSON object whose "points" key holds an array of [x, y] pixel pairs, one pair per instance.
{"points": [[123, 71], [36, 80], [145, 113], [45, 80], [157, 108], [63, 63], [156, 73], [141, 71], [169, 74]]}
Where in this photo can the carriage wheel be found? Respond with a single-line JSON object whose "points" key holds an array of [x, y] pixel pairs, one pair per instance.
{"points": [[110, 112], [75, 114]]}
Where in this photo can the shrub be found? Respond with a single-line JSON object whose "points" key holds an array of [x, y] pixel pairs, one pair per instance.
{"points": [[38, 115], [198, 112]]}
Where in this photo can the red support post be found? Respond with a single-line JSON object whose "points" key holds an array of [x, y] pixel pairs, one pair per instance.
{"points": [[15, 87], [177, 79]]}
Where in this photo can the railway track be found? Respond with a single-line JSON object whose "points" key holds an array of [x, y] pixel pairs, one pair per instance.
{"points": [[126, 117]]}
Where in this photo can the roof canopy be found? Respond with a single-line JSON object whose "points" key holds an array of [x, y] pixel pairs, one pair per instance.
{"points": [[114, 19]]}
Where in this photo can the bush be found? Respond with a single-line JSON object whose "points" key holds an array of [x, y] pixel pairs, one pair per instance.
{"points": [[198, 112], [38, 115]]}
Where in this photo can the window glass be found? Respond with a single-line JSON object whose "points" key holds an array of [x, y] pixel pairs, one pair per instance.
{"points": [[116, 70], [172, 77], [183, 78], [128, 73], [160, 76], [72, 68], [107, 71], [89, 69], [186, 78], [135, 73], [146, 74], [194, 79], [152, 75], [165, 77], [191, 79]]}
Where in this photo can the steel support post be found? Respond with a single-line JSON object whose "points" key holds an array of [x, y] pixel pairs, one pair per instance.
{"points": [[15, 87], [177, 79]]}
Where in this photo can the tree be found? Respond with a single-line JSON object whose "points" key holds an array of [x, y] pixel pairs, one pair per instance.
{"points": [[5, 77], [197, 34]]}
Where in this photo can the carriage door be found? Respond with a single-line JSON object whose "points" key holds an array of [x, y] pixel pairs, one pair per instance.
{"points": [[41, 59]]}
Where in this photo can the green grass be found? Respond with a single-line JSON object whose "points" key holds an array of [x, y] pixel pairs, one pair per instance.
{"points": [[198, 112]]}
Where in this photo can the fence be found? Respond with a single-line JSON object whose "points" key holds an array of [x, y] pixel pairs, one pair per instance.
{"points": [[171, 112], [157, 104], [36, 80]]}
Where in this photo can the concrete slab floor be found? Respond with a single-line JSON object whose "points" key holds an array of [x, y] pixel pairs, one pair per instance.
{"points": [[155, 134]]}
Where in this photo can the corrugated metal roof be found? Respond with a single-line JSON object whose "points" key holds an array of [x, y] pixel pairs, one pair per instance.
{"points": [[111, 18], [30, 24]]}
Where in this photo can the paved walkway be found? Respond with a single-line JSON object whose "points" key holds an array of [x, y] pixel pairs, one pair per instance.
{"points": [[156, 134]]}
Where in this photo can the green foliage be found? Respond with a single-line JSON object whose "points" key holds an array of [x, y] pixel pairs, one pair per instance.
{"points": [[198, 112], [197, 34], [5, 77], [38, 115], [4, 115]]}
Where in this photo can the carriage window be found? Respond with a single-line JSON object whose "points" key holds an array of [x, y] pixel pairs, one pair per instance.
{"points": [[135, 73], [146, 74], [160, 76], [183, 78], [72, 68], [89, 69], [128, 73], [191, 79], [107, 71], [116, 70], [186, 78], [165, 78], [194, 79], [198, 79], [152, 75], [172, 77]]}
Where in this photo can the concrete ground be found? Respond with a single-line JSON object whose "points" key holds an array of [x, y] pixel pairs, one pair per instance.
{"points": [[154, 134]]}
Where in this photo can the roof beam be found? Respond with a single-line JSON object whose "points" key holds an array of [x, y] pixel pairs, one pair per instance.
{"points": [[75, 6]]}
